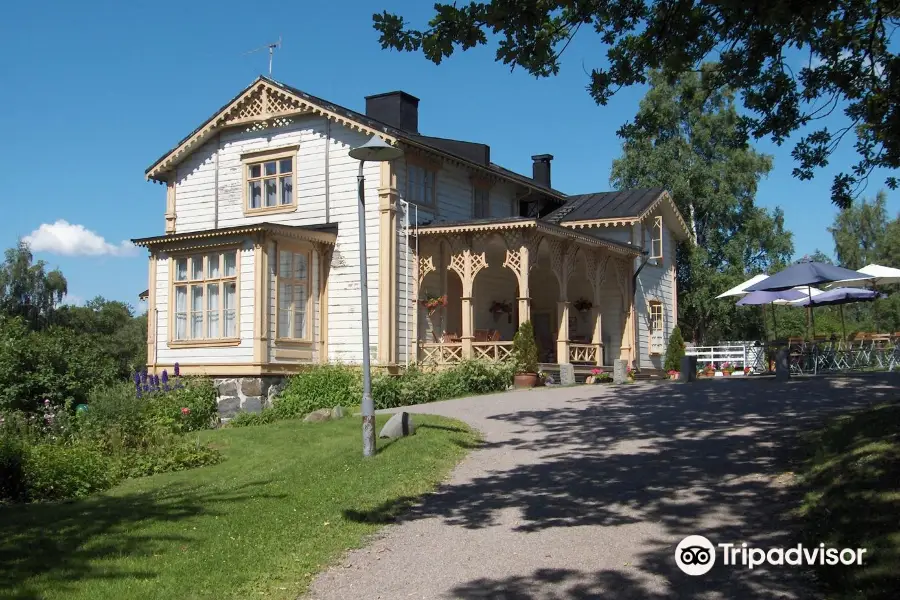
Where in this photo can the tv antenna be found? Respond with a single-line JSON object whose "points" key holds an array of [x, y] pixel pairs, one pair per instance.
{"points": [[272, 47]]}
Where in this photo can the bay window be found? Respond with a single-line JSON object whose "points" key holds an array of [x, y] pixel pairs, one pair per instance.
{"points": [[205, 296]]}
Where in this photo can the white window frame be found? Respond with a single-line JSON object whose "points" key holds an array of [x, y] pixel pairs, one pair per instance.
{"points": [[261, 159], [198, 273], [293, 281], [656, 328], [656, 239]]}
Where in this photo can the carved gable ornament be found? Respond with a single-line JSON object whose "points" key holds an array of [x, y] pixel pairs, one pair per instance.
{"points": [[263, 104]]}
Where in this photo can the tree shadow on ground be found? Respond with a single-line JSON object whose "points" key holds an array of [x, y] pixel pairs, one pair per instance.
{"points": [[705, 458], [66, 542]]}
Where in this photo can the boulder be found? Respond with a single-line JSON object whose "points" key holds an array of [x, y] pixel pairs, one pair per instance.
{"points": [[317, 416], [338, 412], [401, 424]]}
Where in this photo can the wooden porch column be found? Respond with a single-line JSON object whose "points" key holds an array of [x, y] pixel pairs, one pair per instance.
{"points": [[467, 264], [623, 276], [596, 263], [521, 256], [562, 261]]}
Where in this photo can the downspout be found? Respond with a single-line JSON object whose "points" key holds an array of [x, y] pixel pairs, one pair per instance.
{"points": [[327, 179], [216, 183]]}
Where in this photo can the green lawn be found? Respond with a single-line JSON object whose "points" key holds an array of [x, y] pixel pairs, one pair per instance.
{"points": [[851, 475], [289, 499]]}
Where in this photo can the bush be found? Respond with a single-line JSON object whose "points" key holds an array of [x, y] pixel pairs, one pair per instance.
{"points": [[56, 472], [416, 386], [674, 350], [116, 410], [525, 349], [12, 468], [189, 405], [322, 386], [248, 419], [169, 452]]}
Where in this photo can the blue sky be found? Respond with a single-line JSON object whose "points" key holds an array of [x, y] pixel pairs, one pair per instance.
{"points": [[94, 92]]}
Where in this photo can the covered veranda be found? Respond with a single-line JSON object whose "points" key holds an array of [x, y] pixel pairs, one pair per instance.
{"points": [[484, 278]]}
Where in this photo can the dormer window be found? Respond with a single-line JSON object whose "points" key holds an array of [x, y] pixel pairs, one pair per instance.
{"points": [[269, 181]]}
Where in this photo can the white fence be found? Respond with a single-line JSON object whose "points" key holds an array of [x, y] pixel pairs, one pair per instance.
{"points": [[739, 354]]}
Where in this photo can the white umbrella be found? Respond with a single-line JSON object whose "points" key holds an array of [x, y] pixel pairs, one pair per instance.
{"points": [[740, 290], [880, 276]]}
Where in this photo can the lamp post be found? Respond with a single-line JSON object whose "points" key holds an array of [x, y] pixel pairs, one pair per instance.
{"points": [[375, 150]]}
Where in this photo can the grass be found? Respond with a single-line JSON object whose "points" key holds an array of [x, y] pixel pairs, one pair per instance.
{"points": [[851, 476], [288, 500]]}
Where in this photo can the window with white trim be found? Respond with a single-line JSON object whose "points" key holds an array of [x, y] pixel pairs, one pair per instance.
{"points": [[420, 184], [293, 295], [656, 238], [205, 289], [269, 181], [482, 201], [656, 327]]}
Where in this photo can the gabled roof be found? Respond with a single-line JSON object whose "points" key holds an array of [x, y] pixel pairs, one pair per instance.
{"points": [[619, 208], [268, 100]]}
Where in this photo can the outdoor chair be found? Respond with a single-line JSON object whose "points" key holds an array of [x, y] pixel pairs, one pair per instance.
{"points": [[495, 337], [481, 335]]}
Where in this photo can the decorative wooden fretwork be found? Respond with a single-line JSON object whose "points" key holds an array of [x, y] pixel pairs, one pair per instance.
{"points": [[562, 262], [426, 266], [467, 264]]}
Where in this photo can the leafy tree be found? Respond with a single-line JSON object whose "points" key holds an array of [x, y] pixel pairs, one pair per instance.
{"points": [[27, 290], [689, 142], [859, 231], [113, 325], [848, 62], [674, 350]]}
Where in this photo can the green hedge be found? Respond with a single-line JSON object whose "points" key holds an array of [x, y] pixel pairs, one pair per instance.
{"points": [[327, 386]]}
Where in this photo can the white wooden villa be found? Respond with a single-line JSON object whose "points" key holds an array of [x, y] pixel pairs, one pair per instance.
{"points": [[257, 271]]}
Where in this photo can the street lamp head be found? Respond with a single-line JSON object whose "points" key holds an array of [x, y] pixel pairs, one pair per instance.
{"points": [[376, 150]]}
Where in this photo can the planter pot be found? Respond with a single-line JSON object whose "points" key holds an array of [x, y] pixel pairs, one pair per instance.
{"points": [[726, 374], [523, 381], [674, 376], [589, 380]]}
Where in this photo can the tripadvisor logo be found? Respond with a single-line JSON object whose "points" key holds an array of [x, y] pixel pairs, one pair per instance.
{"points": [[696, 555]]}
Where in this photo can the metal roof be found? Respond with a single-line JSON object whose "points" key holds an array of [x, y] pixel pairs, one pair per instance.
{"points": [[605, 205]]}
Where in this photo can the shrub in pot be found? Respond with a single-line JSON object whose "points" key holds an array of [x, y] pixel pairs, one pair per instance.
{"points": [[526, 356]]}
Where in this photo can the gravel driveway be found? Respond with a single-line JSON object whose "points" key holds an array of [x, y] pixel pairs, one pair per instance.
{"points": [[584, 493]]}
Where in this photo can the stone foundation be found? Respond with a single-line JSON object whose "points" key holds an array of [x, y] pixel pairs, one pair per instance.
{"points": [[246, 394]]}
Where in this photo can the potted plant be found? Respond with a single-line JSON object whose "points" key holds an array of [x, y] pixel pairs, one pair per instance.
{"points": [[727, 368], [432, 303], [501, 307], [709, 370], [630, 373], [583, 305], [746, 370], [673, 374], [525, 352]]}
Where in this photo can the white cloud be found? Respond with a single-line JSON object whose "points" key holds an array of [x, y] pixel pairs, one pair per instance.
{"points": [[69, 239]]}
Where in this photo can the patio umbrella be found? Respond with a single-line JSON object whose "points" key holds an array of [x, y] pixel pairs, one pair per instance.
{"points": [[806, 274], [741, 289], [841, 296], [755, 298], [880, 276]]}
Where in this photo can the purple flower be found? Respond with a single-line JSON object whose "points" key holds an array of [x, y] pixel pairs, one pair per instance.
{"points": [[137, 378], [144, 376], [139, 390], [165, 376], [177, 370]]}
